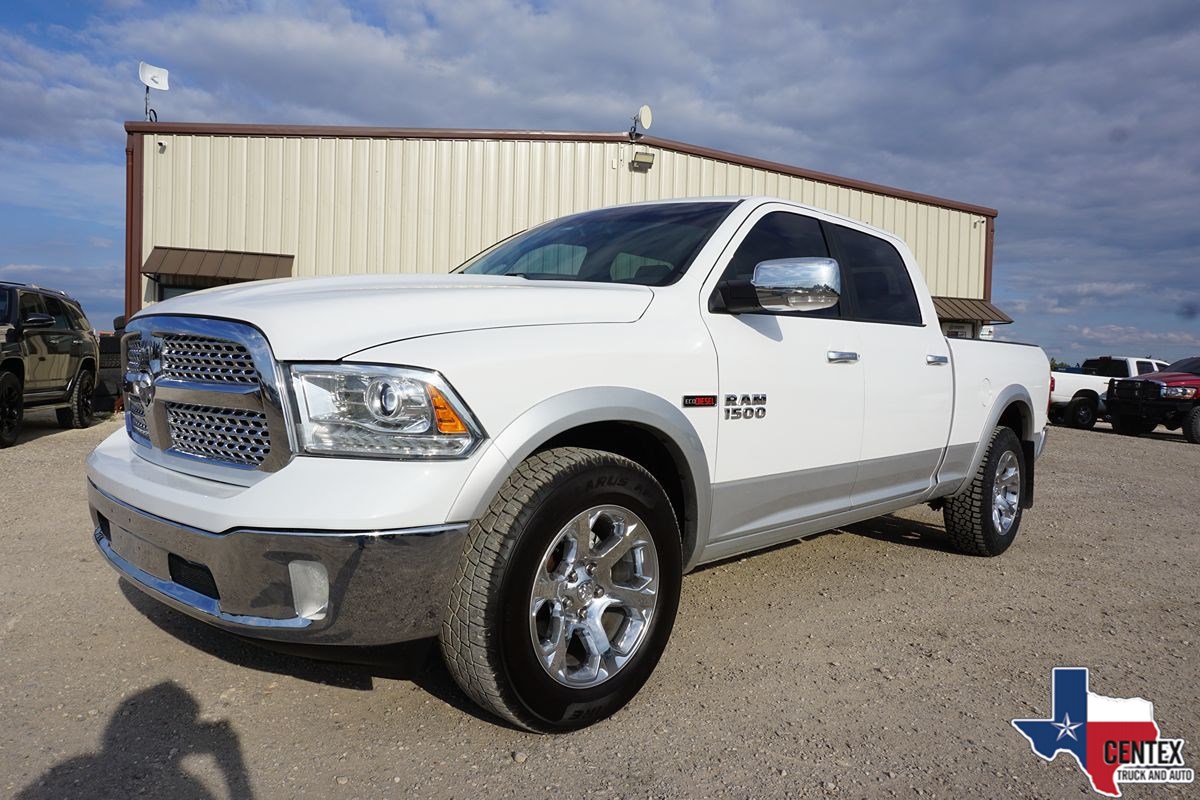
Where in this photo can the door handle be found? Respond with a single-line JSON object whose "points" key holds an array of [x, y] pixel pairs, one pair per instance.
{"points": [[841, 357], [937, 361]]}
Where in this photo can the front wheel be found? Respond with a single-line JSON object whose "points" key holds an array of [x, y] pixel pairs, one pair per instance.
{"points": [[1191, 425], [12, 408], [1131, 426], [567, 592], [984, 518]]}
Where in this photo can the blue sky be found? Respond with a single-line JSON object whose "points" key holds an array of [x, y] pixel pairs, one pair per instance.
{"points": [[1079, 121]]}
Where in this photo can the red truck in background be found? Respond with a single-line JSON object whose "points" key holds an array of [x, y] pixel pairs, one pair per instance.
{"points": [[1170, 398]]}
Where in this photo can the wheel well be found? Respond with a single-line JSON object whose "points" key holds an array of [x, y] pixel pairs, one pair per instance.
{"points": [[654, 451], [14, 366], [1086, 394], [1017, 417]]}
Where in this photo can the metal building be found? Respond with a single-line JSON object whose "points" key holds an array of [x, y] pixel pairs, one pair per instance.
{"points": [[209, 204]]}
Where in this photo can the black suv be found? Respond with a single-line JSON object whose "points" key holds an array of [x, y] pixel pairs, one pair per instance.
{"points": [[48, 358]]}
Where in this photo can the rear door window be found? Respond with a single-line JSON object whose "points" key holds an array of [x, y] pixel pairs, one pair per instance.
{"points": [[1145, 367], [874, 277], [56, 309]]}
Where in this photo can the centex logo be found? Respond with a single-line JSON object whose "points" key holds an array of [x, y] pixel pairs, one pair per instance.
{"points": [[1114, 740]]}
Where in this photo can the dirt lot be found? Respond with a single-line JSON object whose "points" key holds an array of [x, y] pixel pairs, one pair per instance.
{"points": [[868, 662]]}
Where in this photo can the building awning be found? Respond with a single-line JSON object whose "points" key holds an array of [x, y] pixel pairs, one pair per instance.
{"points": [[968, 309], [226, 265]]}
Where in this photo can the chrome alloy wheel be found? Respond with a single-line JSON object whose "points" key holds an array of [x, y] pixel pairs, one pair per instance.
{"points": [[594, 596], [1006, 492]]}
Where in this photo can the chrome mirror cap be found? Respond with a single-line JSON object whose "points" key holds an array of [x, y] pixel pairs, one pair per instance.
{"points": [[797, 284]]}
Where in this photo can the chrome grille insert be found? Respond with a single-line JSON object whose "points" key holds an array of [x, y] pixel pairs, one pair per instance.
{"points": [[137, 416], [202, 396], [238, 436], [202, 359]]}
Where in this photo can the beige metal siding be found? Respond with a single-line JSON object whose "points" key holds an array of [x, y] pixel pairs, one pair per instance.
{"points": [[355, 205]]}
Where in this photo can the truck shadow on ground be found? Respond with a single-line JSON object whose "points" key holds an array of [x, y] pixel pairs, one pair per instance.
{"points": [[1159, 435], [897, 530], [344, 667], [39, 423], [145, 745]]}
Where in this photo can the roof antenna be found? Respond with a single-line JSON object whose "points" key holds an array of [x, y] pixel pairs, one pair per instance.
{"points": [[154, 78], [643, 117]]}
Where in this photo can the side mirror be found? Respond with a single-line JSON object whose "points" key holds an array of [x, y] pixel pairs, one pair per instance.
{"points": [[797, 284], [38, 321]]}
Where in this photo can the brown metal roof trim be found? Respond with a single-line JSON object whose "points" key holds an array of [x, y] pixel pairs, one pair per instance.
{"points": [[336, 131], [969, 309], [225, 264]]}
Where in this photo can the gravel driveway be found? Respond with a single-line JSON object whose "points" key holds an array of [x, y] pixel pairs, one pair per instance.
{"points": [[868, 662]]}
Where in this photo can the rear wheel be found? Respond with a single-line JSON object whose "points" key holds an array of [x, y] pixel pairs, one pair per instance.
{"points": [[1081, 413], [567, 592], [81, 412], [1132, 426], [1191, 425], [983, 520], [12, 408]]}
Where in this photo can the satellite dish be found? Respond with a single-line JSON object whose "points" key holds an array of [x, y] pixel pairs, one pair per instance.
{"points": [[644, 117], [154, 77]]}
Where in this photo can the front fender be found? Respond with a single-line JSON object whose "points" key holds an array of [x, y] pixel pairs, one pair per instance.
{"points": [[571, 409]]}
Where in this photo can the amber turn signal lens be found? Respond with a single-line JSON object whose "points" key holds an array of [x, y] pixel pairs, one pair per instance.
{"points": [[447, 420]]}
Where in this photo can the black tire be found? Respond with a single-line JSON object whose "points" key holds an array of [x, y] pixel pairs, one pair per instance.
{"points": [[1055, 415], [1081, 413], [486, 636], [82, 409], [1191, 425], [12, 408], [968, 515], [1132, 426]]}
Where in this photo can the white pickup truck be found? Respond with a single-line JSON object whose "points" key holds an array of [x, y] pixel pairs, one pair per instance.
{"points": [[523, 458], [1077, 398]]}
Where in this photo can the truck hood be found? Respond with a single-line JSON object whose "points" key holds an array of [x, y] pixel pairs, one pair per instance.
{"points": [[323, 319], [1170, 378]]}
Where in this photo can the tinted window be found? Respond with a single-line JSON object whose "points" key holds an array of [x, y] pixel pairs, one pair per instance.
{"points": [[1191, 365], [777, 235], [874, 277], [649, 245], [4, 295], [1106, 368], [31, 303], [1145, 367], [78, 321], [56, 309]]}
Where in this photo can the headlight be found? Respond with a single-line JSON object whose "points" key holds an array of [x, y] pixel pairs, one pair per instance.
{"points": [[1178, 392], [385, 412]]}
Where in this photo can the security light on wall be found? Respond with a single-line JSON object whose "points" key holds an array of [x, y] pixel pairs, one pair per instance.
{"points": [[154, 78], [643, 117]]}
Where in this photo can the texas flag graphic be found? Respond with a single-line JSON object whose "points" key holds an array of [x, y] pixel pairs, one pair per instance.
{"points": [[1113, 739]]}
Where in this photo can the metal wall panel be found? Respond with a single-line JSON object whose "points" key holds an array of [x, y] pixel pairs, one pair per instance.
{"points": [[362, 205]]}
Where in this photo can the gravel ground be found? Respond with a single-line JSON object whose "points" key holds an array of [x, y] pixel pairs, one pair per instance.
{"points": [[869, 662]]}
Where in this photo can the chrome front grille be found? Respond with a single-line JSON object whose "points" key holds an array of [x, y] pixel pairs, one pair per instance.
{"points": [[226, 434], [201, 396], [202, 359]]}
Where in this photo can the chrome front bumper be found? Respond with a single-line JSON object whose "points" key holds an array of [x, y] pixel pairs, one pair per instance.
{"points": [[318, 587]]}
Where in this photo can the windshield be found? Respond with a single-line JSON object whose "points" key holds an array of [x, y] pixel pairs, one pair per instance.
{"points": [[1191, 365], [649, 245]]}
